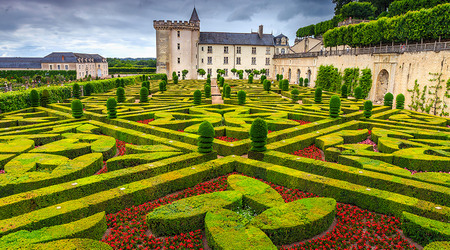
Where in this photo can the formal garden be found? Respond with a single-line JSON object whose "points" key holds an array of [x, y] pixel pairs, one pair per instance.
{"points": [[133, 163]]}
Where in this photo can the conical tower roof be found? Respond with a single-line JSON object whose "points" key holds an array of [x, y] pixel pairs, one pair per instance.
{"points": [[194, 16]]}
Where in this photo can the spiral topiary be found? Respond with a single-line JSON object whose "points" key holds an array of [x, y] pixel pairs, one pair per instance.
{"points": [[76, 91], [111, 105], [300, 82], [335, 106], [318, 95], [88, 89], [175, 79], [206, 138], [368, 109], [143, 95], [250, 78], [45, 98], [207, 91], [344, 91], [120, 93], [197, 97], [77, 108], [388, 99], [285, 85], [241, 97], [263, 77], [258, 135], [400, 101], [34, 98], [358, 93], [294, 95]]}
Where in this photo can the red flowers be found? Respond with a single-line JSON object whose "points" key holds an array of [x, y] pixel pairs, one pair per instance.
{"points": [[225, 138], [121, 150], [310, 152], [301, 122], [146, 121]]}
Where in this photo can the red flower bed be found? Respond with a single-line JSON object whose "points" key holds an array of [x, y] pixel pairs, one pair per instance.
{"points": [[301, 122], [146, 121], [355, 228], [225, 138], [312, 152], [121, 150]]}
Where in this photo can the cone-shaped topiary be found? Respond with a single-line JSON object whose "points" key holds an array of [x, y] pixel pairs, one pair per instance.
{"points": [[120, 93], [207, 91], [175, 79], [223, 90], [358, 93], [197, 97], [227, 91], [76, 91], [318, 95], [300, 81], [206, 137], [208, 81], [241, 97], [241, 76], [45, 98], [161, 86], [335, 106], [221, 81], [368, 109], [400, 101], [280, 84], [164, 77], [143, 95], [294, 95], [263, 77], [250, 78], [344, 91], [388, 99], [88, 89], [285, 85], [34, 98], [146, 84], [77, 108], [306, 82], [111, 105], [258, 135]]}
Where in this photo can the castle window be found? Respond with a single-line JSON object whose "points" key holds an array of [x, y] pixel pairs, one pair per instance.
{"points": [[178, 33], [59, 67], [209, 71], [225, 60], [202, 48], [202, 60], [178, 46], [225, 49], [253, 60], [209, 60], [50, 67], [226, 72], [66, 67], [267, 61], [238, 50], [283, 51], [254, 50], [179, 60], [267, 72], [267, 50], [209, 49], [238, 60]]}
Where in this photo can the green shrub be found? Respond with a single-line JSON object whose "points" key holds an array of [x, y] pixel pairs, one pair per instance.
{"points": [[306, 82], [146, 84], [241, 97], [294, 95], [263, 77], [221, 81], [161, 85], [368, 109], [207, 91], [358, 10], [111, 105], [344, 91], [365, 82], [143, 95], [424, 230], [300, 82], [241, 76], [318, 95], [76, 91], [227, 91], [88, 89], [206, 137], [267, 85], [258, 135], [250, 78], [34, 97], [122, 83], [208, 81], [388, 99], [329, 78], [400, 101], [358, 93], [197, 97], [335, 106], [120, 93], [285, 85], [175, 79], [45, 98], [164, 77], [77, 108], [118, 83]]}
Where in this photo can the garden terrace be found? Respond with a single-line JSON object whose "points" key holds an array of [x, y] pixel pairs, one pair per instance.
{"points": [[99, 182]]}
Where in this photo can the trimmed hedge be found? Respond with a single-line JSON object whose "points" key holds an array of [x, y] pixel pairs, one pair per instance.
{"points": [[318, 95], [388, 99], [120, 93], [76, 91], [335, 106], [111, 105], [400, 101], [241, 97], [34, 97], [423, 230], [77, 109], [206, 137], [143, 94], [368, 109], [258, 135]]}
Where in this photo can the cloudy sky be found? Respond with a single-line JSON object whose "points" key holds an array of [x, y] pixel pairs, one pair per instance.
{"points": [[124, 28]]}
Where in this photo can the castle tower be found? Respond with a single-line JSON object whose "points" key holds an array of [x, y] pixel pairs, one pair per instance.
{"points": [[176, 46]]}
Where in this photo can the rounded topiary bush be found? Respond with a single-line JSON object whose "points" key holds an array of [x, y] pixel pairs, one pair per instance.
{"points": [[258, 135], [318, 95], [263, 77], [300, 81], [143, 95], [400, 101], [344, 91], [267, 85], [388, 99], [358, 93], [120, 93], [207, 91], [285, 85], [197, 97], [335, 106], [77, 108], [241, 76], [34, 98], [88, 89], [227, 91], [206, 137], [164, 77], [45, 98], [221, 81], [250, 78], [175, 79], [306, 82], [146, 84], [368, 109], [241, 97], [111, 105], [294, 95], [208, 81], [76, 91], [161, 85]]}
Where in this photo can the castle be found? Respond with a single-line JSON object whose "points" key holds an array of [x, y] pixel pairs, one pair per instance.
{"points": [[181, 46]]}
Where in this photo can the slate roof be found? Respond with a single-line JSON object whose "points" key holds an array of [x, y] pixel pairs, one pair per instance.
{"points": [[280, 36], [194, 16], [70, 57], [55, 57], [235, 38], [20, 62]]}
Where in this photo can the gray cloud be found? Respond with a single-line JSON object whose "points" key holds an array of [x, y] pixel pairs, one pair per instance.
{"points": [[124, 28]]}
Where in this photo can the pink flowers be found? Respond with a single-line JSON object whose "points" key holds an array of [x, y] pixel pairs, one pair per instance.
{"points": [[370, 142], [2, 171], [225, 138], [301, 122], [312, 152], [146, 121]]}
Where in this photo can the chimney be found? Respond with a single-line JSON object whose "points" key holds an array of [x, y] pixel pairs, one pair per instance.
{"points": [[63, 58], [260, 31]]}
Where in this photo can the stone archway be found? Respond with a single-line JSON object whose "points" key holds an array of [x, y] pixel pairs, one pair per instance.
{"points": [[382, 85], [308, 75]]}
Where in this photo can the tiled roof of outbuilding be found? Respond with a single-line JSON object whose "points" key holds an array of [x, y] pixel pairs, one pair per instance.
{"points": [[235, 38], [20, 62]]}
